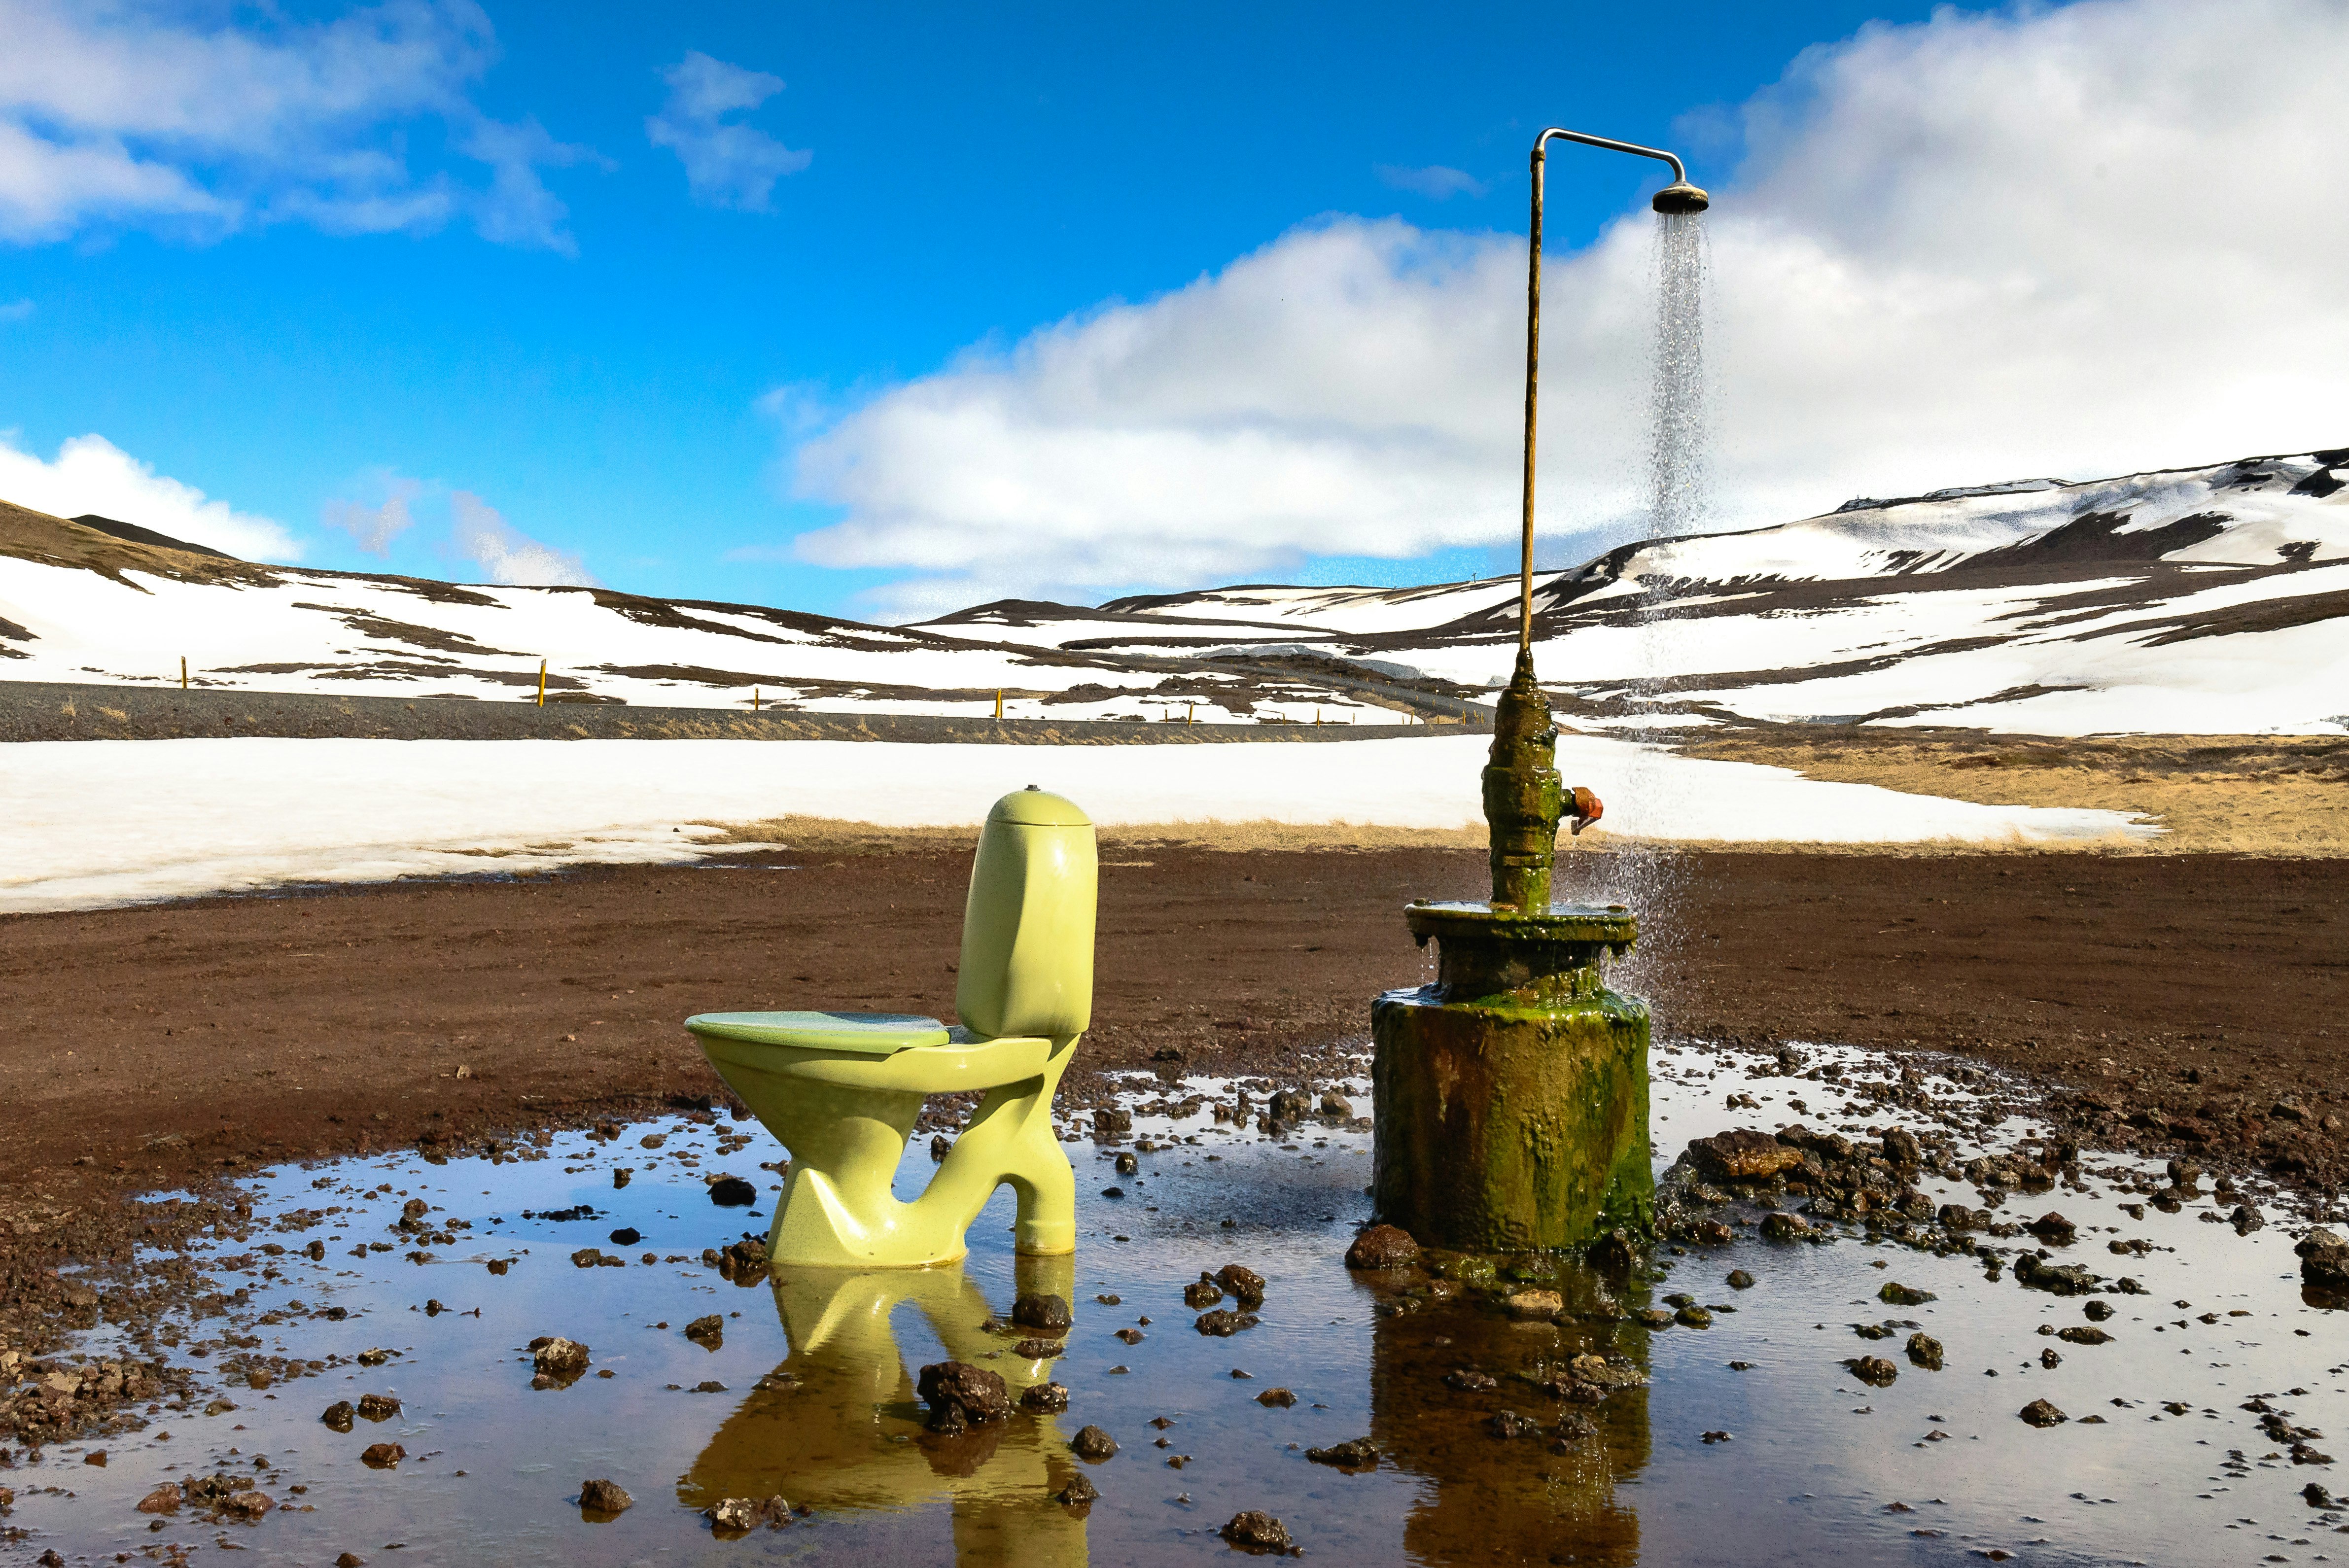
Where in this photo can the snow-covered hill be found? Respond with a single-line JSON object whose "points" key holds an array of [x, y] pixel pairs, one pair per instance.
{"points": [[2210, 600]]}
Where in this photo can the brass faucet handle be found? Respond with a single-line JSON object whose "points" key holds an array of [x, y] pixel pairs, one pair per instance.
{"points": [[1583, 808]]}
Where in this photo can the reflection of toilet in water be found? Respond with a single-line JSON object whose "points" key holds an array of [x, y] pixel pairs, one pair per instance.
{"points": [[841, 1090], [838, 1426]]}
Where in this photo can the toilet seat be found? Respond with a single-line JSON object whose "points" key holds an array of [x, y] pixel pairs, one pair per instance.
{"points": [[874, 1033]]}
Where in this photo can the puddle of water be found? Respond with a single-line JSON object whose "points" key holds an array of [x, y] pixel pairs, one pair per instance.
{"points": [[809, 1392]]}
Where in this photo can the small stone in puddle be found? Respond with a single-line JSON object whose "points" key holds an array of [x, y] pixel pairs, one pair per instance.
{"points": [[1257, 1530], [941, 1147], [1536, 1305], [1105, 1300], [603, 1497], [1280, 1397], [555, 1357], [1781, 1226], [733, 1193], [1042, 1399], [2313, 1493], [1126, 1164], [1382, 1247], [1223, 1323], [2049, 1359], [1739, 1280], [339, 1416], [1093, 1445], [2079, 1333], [1468, 1380], [708, 1332], [500, 1265], [1244, 1283], [620, 1175], [1079, 1494], [626, 1236], [960, 1395], [1925, 1351], [1899, 1295], [1874, 1370], [382, 1456], [378, 1406], [1040, 1349], [2097, 1311], [164, 1499], [1202, 1292], [1509, 1424], [1718, 1437], [1046, 1314], [2039, 1413], [1654, 1316], [1131, 1335], [1743, 1154], [2052, 1228], [1359, 1454], [351, 1559], [1693, 1316], [737, 1515]]}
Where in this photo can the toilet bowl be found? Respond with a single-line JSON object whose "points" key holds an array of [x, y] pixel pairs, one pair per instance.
{"points": [[841, 1090]]}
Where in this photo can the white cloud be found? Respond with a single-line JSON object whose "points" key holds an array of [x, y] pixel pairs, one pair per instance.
{"points": [[17, 310], [375, 527], [505, 554], [726, 164], [91, 474], [2073, 242], [141, 113], [1435, 181]]}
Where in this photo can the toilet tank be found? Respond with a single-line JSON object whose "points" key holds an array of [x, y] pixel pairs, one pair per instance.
{"points": [[1028, 928]]}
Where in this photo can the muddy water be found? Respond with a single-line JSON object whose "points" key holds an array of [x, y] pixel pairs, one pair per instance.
{"points": [[809, 1392]]}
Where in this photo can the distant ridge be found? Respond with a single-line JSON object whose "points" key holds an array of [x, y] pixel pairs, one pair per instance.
{"points": [[137, 535]]}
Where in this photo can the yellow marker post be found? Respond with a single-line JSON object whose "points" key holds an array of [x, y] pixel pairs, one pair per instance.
{"points": [[183, 672], [541, 683], [754, 700], [998, 705]]}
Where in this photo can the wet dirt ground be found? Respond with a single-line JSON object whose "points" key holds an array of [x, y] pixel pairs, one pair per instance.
{"points": [[1747, 1439], [2186, 997]]}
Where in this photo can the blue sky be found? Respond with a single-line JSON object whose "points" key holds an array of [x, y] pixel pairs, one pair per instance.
{"points": [[556, 326]]}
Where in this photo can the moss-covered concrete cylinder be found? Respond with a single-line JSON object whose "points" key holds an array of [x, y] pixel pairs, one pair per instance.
{"points": [[1513, 1093]]}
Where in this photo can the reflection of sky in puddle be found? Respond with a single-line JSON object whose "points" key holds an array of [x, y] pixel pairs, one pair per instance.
{"points": [[1817, 1461]]}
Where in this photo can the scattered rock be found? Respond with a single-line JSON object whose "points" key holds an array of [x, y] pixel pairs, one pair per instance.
{"points": [[339, 1416], [1468, 1380], [2097, 1311], [1382, 1247], [2077, 1335], [1359, 1454], [1246, 1284], [2052, 1228], [378, 1406], [1093, 1445], [738, 1515], [1040, 1349], [1126, 1164], [1739, 1280], [2039, 1413], [1223, 1323], [2324, 1259], [731, 1193], [164, 1499], [1044, 1314], [558, 1359], [961, 1395], [2066, 1279], [1925, 1351], [1508, 1424], [626, 1236], [1257, 1530], [1043, 1399], [247, 1505], [1202, 1292], [606, 1498], [708, 1331], [1743, 1154], [382, 1456], [1781, 1226], [1279, 1397], [1874, 1370], [2313, 1493], [1693, 1316], [1536, 1305], [1899, 1295], [1901, 1149], [1080, 1494]]}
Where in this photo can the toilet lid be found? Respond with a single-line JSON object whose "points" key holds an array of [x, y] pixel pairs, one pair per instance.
{"points": [[874, 1034]]}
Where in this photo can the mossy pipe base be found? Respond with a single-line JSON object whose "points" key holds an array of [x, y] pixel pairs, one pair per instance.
{"points": [[1513, 1118]]}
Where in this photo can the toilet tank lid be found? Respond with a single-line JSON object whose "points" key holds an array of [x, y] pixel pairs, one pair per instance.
{"points": [[1034, 808]]}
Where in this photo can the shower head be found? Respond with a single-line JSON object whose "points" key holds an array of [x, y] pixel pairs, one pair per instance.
{"points": [[1679, 197]]}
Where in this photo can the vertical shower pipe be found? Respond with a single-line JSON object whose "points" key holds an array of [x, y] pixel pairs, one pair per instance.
{"points": [[1679, 196]]}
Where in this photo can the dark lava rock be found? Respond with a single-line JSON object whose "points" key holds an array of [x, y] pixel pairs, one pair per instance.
{"points": [[1244, 1283], [1874, 1370], [1257, 1530], [1108, 1123], [2076, 1335], [554, 1356], [1739, 1280], [626, 1236], [1040, 1349], [1901, 1149], [743, 1262], [1925, 1351], [339, 1416], [1079, 1493], [1743, 1154], [1126, 1164], [941, 1147], [1382, 1247], [1044, 1398], [1359, 1454], [2052, 1228], [2324, 1259], [1280, 1397], [1131, 1335], [1202, 1292], [620, 1175], [1044, 1314], [708, 1332], [2065, 1279], [2097, 1311], [2039, 1413], [961, 1395], [731, 1193], [1781, 1226], [382, 1456], [1289, 1105], [1509, 1424], [1093, 1445], [1899, 1295], [1223, 1323], [378, 1406], [604, 1497], [2050, 1359], [2314, 1494]]}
